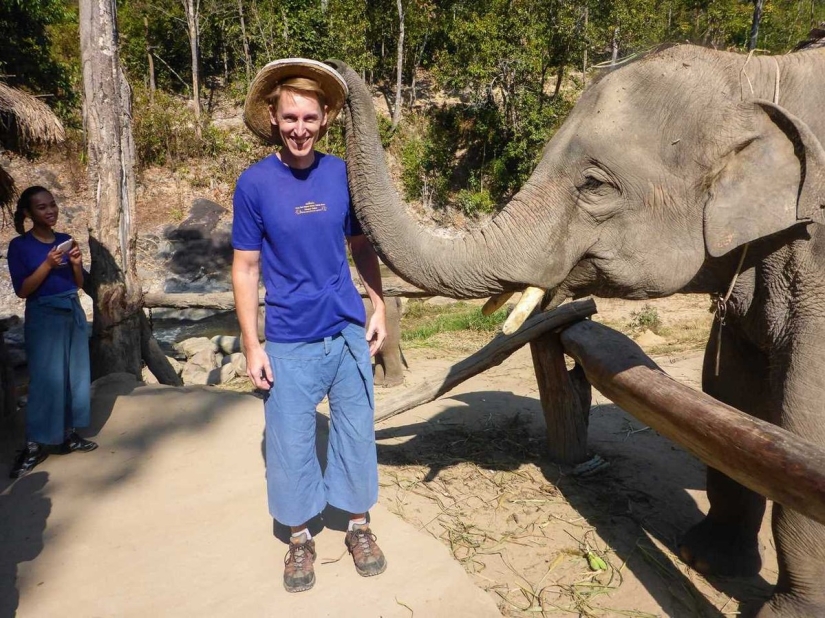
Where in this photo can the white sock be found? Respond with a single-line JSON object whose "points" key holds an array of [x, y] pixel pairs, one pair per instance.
{"points": [[295, 535], [362, 521]]}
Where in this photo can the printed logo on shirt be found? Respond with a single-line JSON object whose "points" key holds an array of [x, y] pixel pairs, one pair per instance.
{"points": [[309, 208]]}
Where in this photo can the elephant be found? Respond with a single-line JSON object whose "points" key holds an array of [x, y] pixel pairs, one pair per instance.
{"points": [[388, 368], [684, 170]]}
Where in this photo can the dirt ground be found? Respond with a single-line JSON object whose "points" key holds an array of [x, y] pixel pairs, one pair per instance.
{"points": [[469, 470]]}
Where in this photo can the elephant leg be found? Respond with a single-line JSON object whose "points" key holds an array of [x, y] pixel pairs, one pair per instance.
{"points": [[392, 359], [726, 541], [388, 370], [800, 542]]}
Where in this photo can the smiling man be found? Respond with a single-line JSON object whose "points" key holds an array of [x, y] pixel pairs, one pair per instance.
{"points": [[292, 214]]}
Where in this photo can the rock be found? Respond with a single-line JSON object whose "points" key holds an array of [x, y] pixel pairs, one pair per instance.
{"points": [[113, 384], [88, 305], [238, 361], [440, 301], [194, 375], [148, 377], [194, 345], [227, 344], [649, 339], [175, 364], [205, 359], [227, 372]]}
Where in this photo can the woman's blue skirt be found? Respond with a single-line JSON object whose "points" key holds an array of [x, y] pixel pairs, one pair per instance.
{"points": [[57, 347]]}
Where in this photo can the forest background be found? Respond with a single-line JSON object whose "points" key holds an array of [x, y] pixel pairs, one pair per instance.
{"points": [[474, 87]]}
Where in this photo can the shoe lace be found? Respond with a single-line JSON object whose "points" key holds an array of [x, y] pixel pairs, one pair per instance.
{"points": [[297, 553], [365, 540]]}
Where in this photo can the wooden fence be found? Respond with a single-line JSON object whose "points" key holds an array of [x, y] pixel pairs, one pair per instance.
{"points": [[761, 456]]}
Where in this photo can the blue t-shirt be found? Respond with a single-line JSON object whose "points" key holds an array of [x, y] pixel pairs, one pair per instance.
{"points": [[298, 220], [26, 254]]}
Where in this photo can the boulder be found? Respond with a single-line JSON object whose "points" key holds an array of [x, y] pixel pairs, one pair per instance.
{"points": [[227, 344], [205, 359], [175, 364], [190, 347], [238, 361], [194, 375], [148, 377]]}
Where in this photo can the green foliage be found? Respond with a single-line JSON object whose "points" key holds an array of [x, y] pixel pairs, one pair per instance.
{"points": [[496, 63], [422, 321], [165, 131], [647, 318], [41, 50]]}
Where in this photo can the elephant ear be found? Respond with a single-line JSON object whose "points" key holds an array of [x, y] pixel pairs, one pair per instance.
{"points": [[769, 182]]}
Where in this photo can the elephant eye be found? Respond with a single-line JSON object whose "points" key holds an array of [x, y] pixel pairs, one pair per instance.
{"points": [[591, 183], [595, 184]]}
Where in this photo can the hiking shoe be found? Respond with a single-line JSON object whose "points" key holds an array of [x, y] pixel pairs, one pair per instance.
{"points": [[74, 442], [368, 557], [299, 574], [27, 459]]}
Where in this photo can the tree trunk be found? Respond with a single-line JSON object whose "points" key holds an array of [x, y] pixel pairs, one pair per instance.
{"points": [[115, 345], [559, 80], [245, 39], [151, 61], [757, 18], [396, 114], [192, 9], [614, 44], [113, 282]]}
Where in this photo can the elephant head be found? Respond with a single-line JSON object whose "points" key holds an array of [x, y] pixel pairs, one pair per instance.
{"points": [[663, 166]]}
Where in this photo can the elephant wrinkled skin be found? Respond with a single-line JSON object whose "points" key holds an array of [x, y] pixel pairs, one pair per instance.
{"points": [[665, 170]]}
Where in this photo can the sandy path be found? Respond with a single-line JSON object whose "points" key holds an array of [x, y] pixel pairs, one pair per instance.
{"points": [[168, 518]]}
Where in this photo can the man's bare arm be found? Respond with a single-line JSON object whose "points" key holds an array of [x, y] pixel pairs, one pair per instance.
{"points": [[245, 277], [366, 263]]}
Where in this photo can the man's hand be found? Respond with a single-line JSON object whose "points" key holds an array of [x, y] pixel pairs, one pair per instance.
{"points": [[258, 368], [377, 329]]}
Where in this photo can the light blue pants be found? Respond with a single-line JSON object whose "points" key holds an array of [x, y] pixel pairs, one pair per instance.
{"points": [[338, 367], [57, 350]]}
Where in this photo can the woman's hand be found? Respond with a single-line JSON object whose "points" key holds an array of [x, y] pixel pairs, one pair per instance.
{"points": [[75, 256], [54, 258]]}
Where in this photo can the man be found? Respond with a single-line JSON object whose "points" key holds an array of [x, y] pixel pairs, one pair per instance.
{"points": [[292, 213]]}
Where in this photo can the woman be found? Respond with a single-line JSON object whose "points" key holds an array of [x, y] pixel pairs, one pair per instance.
{"points": [[46, 269]]}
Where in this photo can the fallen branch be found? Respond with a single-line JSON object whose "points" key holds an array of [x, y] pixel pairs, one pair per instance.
{"points": [[763, 457], [491, 355]]}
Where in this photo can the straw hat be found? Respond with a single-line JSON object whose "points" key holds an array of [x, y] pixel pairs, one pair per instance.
{"points": [[256, 109]]}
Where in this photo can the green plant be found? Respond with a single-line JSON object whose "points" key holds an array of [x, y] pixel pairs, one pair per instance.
{"points": [[421, 322], [647, 318]]}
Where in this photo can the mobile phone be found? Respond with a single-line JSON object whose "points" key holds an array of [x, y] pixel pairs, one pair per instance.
{"points": [[65, 245]]}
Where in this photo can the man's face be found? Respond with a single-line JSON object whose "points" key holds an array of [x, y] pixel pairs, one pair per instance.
{"points": [[299, 119]]}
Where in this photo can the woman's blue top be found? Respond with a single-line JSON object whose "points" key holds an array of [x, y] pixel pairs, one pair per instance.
{"points": [[26, 254]]}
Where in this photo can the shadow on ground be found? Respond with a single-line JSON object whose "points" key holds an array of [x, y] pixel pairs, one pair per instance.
{"points": [[640, 496]]}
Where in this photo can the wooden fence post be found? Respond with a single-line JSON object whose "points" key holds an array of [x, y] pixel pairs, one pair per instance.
{"points": [[565, 400]]}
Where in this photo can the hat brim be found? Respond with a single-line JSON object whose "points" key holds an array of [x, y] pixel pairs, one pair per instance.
{"points": [[256, 109]]}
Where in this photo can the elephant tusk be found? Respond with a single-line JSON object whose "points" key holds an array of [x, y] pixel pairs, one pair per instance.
{"points": [[529, 299], [495, 303]]}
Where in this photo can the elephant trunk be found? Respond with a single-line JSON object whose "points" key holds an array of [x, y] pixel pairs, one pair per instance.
{"points": [[492, 259]]}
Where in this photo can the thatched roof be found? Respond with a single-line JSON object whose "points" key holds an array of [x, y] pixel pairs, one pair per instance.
{"points": [[24, 120]]}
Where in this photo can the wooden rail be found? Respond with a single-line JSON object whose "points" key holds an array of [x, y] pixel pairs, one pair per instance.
{"points": [[393, 286], [761, 456], [491, 355]]}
